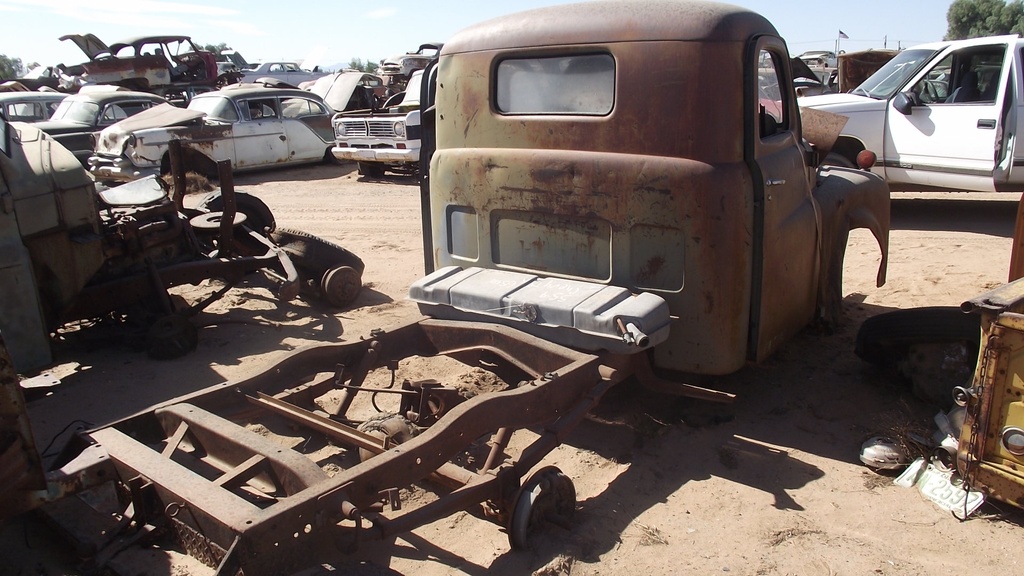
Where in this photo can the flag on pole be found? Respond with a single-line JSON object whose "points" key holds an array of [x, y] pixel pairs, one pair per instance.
{"points": [[843, 35]]}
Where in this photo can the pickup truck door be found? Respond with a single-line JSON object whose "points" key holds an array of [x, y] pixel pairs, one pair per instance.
{"points": [[1009, 171], [785, 253], [951, 143], [260, 138]]}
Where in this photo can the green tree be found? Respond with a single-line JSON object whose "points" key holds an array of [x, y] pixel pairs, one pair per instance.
{"points": [[10, 67], [975, 18], [216, 48], [357, 64]]}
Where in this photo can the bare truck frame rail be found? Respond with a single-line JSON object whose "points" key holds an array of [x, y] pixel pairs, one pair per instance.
{"points": [[238, 501]]}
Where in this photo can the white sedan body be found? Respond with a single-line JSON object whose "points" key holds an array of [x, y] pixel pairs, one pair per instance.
{"points": [[252, 127]]}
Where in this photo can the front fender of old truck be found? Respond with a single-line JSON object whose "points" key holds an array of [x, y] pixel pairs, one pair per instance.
{"points": [[49, 224], [847, 199]]}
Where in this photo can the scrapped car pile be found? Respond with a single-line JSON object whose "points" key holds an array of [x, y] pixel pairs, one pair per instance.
{"points": [[559, 263]]}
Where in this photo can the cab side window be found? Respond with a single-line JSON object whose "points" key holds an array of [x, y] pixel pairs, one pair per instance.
{"points": [[968, 76], [299, 107], [262, 108], [771, 109], [113, 113]]}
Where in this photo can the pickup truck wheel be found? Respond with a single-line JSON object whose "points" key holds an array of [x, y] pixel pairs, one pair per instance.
{"points": [[837, 159], [371, 170]]}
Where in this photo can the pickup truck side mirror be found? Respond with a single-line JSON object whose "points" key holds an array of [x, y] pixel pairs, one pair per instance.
{"points": [[904, 102]]}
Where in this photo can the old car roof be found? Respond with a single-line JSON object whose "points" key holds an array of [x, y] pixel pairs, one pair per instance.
{"points": [[115, 95], [633, 21], [143, 39], [26, 96], [140, 39], [247, 90]]}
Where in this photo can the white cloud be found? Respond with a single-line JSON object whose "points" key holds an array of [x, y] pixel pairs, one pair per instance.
{"points": [[382, 13], [120, 8]]}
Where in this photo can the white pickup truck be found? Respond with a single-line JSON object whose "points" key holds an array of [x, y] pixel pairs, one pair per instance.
{"points": [[941, 116], [382, 140]]}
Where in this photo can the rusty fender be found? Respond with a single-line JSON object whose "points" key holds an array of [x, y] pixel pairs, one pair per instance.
{"points": [[847, 199]]}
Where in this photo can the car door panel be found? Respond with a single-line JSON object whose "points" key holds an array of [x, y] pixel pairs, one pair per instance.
{"points": [[788, 264], [1009, 170], [948, 144], [260, 142]]}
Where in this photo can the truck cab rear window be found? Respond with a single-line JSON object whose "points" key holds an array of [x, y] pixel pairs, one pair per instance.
{"points": [[581, 84]]}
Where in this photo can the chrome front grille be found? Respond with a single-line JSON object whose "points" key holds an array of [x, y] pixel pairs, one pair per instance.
{"points": [[384, 128]]}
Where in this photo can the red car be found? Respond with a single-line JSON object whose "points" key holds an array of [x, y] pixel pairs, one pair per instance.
{"points": [[164, 65]]}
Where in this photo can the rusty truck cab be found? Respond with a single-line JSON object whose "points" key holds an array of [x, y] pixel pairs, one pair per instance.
{"points": [[655, 147]]}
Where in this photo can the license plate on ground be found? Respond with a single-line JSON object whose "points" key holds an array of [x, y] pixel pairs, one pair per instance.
{"points": [[939, 486]]}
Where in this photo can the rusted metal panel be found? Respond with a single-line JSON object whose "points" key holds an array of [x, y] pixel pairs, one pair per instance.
{"points": [[610, 22], [144, 71], [655, 196], [856, 67], [995, 400], [709, 256], [671, 189]]}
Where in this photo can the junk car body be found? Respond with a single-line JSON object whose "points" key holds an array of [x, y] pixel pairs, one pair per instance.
{"points": [[253, 126], [166, 65], [80, 116], [575, 220], [385, 139], [287, 72], [552, 161], [990, 452], [29, 106]]}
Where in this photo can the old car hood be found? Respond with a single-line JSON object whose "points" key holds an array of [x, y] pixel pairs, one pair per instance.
{"points": [[336, 89], [112, 138], [839, 100], [90, 44], [159, 116]]}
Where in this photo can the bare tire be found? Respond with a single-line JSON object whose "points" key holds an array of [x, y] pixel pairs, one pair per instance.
{"points": [[315, 258], [257, 214], [934, 348], [883, 338]]}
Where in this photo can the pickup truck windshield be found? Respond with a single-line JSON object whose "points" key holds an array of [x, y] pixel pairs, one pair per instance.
{"points": [[894, 74]]}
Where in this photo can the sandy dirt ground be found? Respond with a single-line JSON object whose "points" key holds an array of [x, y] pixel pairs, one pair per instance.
{"points": [[769, 485]]}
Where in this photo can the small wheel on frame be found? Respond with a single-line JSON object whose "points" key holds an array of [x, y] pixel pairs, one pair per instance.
{"points": [[547, 497]]}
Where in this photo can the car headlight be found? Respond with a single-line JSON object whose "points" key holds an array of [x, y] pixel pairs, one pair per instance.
{"points": [[400, 129], [1013, 440]]}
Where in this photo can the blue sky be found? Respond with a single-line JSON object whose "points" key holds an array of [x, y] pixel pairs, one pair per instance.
{"points": [[339, 31]]}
